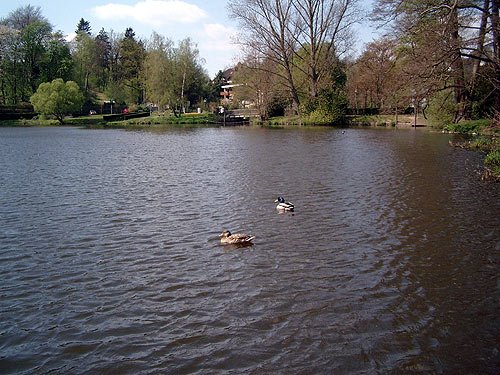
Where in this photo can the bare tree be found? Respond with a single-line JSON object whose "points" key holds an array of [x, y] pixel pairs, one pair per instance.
{"points": [[324, 30], [299, 36], [457, 42], [268, 32]]}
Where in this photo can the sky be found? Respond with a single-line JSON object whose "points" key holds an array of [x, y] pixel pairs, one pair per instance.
{"points": [[206, 22]]}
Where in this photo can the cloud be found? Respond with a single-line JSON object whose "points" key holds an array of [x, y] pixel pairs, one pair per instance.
{"points": [[215, 43], [218, 37], [153, 12], [70, 37]]}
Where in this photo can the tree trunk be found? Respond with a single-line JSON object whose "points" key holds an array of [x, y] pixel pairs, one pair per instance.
{"points": [[457, 65], [480, 45], [182, 91], [495, 25]]}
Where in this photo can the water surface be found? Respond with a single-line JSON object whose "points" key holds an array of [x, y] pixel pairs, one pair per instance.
{"points": [[110, 260]]}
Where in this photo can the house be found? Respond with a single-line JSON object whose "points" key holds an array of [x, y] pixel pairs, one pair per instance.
{"points": [[227, 89]]}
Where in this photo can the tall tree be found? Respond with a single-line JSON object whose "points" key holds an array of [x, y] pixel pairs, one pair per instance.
{"points": [[58, 62], [324, 33], [83, 27], [131, 58], [103, 46], [12, 70], [28, 34], [305, 36], [35, 38], [86, 57], [260, 88], [269, 32], [23, 16], [158, 71], [190, 77], [445, 35]]}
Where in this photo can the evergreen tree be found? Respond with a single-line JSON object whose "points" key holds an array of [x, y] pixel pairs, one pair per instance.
{"points": [[83, 27], [103, 46]]}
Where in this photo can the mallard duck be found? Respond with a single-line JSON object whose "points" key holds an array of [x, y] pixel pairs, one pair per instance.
{"points": [[283, 205], [238, 238]]}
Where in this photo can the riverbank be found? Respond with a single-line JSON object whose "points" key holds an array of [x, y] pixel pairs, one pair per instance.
{"points": [[98, 121], [480, 135]]}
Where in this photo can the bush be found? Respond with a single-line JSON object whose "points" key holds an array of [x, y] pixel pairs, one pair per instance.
{"points": [[328, 108], [492, 161], [465, 127], [441, 109]]}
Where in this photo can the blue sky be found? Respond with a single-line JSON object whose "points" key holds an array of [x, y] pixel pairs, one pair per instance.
{"points": [[206, 22]]}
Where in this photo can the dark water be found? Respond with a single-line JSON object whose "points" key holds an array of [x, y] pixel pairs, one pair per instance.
{"points": [[110, 260]]}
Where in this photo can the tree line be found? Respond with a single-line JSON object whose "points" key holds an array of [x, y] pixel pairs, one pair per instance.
{"points": [[439, 56], [105, 65]]}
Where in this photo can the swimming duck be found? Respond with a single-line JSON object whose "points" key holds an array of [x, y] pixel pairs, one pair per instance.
{"points": [[238, 238], [283, 205]]}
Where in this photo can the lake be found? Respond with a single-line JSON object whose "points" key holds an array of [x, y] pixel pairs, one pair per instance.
{"points": [[110, 260]]}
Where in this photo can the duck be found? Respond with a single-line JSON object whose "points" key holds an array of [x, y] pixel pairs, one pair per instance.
{"points": [[227, 237], [283, 205]]}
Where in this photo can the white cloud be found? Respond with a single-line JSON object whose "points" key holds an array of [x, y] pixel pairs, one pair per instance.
{"points": [[70, 37], [215, 44], [218, 37], [153, 12]]}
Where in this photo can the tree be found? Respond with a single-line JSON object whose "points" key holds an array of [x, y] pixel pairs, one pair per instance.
{"points": [[130, 60], [57, 62], [86, 59], [158, 71], [256, 86], [173, 77], [300, 37], [21, 17], [57, 98], [83, 27], [35, 38], [453, 41], [269, 34], [103, 45], [189, 76], [12, 77], [27, 36], [377, 78]]}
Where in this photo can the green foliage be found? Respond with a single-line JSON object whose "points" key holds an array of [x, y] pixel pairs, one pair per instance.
{"points": [[57, 98], [329, 107], [485, 143], [492, 161], [441, 109], [467, 127], [277, 105], [83, 27], [57, 62]]}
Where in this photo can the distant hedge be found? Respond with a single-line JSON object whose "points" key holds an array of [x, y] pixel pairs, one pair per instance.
{"points": [[16, 112], [124, 116]]}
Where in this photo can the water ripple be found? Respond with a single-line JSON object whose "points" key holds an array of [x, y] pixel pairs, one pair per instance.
{"points": [[110, 259]]}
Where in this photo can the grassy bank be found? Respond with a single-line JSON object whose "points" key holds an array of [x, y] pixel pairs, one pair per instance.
{"points": [[488, 144], [168, 119], [483, 135], [281, 121], [96, 121], [40, 122]]}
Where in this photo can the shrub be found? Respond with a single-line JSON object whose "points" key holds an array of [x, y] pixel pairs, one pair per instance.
{"points": [[441, 109], [328, 108], [492, 161]]}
